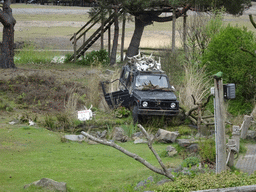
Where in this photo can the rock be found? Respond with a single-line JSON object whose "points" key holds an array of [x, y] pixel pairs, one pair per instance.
{"points": [[166, 136], [49, 184], [75, 137], [102, 134], [138, 141], [171, 151], [251, 134], [13, 122], [119, 135], [144, 183], [193, 148], [137, 135], [163, 181], [185, 142]]}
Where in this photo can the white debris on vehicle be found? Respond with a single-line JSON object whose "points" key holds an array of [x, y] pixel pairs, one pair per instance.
{"points": [[143, 63]]}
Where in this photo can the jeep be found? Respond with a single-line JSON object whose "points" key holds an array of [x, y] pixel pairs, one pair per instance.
{"points": [[145, 92]]}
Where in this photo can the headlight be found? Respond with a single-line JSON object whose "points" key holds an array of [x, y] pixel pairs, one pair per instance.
{"points": [[145, 104], [173, 105]]}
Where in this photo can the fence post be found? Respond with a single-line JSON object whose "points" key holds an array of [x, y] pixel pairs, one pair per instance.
{"points": [[219, 124], [246, 124], [74, 47]]}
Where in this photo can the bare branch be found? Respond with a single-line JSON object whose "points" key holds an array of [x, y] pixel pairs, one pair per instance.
{"points": [[150, 141], [132, 155]]}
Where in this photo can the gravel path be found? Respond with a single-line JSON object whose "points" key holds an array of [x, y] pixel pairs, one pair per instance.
{"points": [[44, 11]]}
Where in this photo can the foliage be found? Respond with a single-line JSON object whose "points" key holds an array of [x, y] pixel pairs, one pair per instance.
{"points": [[190, 161], [29, 55], [129, 129], [121, 112], [209, 181], [207, 150], [232, 52], [95, 58]]}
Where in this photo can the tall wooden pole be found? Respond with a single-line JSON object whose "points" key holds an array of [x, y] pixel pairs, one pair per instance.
{"points": [[185, 33], [102, 30], [109, 38], [219, 124], [173, 31], [123, 35]]}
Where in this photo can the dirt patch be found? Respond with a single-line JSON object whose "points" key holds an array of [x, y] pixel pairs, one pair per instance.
{"points": [[41, 93]]}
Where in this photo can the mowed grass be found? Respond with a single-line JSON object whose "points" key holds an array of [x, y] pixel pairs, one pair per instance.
{"points": [[29, 154]]}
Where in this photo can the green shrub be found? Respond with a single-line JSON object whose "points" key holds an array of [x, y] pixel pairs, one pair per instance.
{"points": [[208, 181], [95, 58], [29, 55], [207, 150], [190, 161], [232, 52]]}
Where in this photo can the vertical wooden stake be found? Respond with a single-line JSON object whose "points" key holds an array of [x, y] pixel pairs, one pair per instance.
{"points": [[220, 128], [185, 33], [123, 35], [74, 47], [173, 31], [109, 39], [102, 30]]}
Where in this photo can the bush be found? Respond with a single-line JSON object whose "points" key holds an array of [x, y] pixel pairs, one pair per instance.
{"points": [[95, 58], [207, 150], [209, 181], [190, 161], [232, 52]]}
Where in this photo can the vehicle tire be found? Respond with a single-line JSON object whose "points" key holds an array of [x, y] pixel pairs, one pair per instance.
{"points": [[135, 115]]}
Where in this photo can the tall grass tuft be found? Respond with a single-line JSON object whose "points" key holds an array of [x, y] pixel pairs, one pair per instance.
{"points": [[29, 54], [197, 83]]}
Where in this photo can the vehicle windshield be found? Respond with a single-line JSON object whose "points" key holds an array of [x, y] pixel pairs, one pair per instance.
{"points": [[145, 82]]}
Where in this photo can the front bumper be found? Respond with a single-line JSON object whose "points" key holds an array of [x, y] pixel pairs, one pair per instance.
{"points": [[159, 112]]}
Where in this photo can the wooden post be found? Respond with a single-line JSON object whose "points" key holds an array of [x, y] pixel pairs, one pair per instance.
{"points": [[109, 39], [84, 38], [246, 124], [102, 31], [173, 31], [74, 47], [123, 35], [185, 33], [220, 128]]}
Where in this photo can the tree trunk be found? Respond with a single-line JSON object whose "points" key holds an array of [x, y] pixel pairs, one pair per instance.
{"points": [[135, 42], [115, 40], [7, 54]]}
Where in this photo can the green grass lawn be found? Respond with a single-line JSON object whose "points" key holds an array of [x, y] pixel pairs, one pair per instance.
{"points": [[29, 154]]}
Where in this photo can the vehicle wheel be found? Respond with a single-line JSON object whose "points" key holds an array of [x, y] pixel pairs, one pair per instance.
{"points": [[135, 115]]}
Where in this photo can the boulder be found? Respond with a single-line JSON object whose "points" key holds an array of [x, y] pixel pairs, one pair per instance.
{"points": [[142, 184], [49, 184], [138, 141], [75, 137], [119, 135], [193, 148], [251, 134], [185, 142], [166, 136], [171, 151]]}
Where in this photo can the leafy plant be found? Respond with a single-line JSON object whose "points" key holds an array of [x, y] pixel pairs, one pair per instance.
{"points": [[130, 129], [95, 58], [207, 150], [121, 112], [209, 181], [232, 52], [190, 161]]}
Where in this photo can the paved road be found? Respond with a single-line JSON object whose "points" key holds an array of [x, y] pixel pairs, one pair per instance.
{"points": [[247, 163]]}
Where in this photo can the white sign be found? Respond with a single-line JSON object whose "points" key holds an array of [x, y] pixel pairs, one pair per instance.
{"points": [[85, 115]]}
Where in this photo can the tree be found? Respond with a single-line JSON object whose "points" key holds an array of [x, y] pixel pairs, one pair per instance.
{"points": [[146, 12], [232, 51], [8, 21], [162, 171]]}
